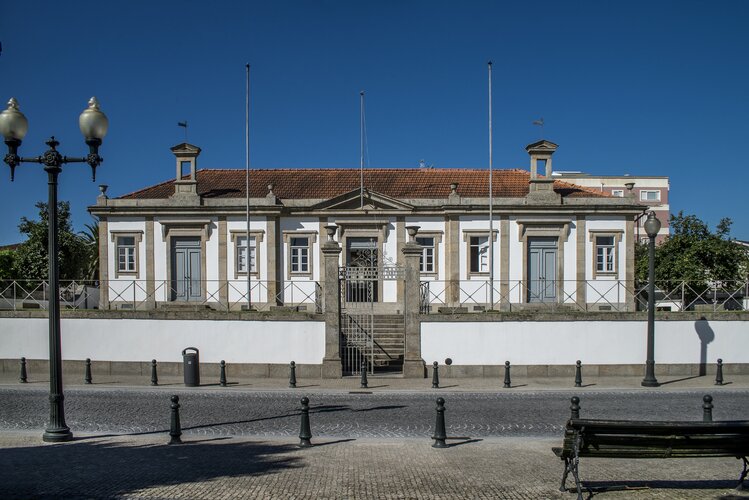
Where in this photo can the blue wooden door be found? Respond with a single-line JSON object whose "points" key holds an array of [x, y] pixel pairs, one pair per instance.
{"points": [[186, 277], [542, 269]]}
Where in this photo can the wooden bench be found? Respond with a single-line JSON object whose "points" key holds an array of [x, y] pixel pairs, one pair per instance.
{"points": [[643, 439]]}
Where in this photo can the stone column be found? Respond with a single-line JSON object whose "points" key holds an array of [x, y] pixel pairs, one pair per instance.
{"points": [[274, 246], [413, 365], [331, 250]]}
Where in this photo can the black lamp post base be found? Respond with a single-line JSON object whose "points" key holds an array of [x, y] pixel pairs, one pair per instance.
{"points": [[58, 435], [650, 383]]}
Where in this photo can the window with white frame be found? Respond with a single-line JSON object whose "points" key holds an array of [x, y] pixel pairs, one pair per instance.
{"points": [[126, 249], [299, 255], [478, 254], [241, 253], [126, 254], [619, 193], [650, 195], [606, 252], [428, 259], [605, 248]]}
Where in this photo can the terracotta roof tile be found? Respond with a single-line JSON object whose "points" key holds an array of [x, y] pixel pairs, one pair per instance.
{"points": [[320, 183]]}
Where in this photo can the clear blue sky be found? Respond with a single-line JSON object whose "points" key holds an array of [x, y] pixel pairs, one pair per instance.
{"points": [[640, 88]]}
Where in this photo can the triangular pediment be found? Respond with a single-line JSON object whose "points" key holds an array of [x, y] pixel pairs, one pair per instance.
{"points": [[372, 201]]}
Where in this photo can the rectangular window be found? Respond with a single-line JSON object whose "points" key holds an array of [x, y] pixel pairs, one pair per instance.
{"points": [[242, 254], [479, 254], [605, 254], [650, 196], [126, 254], [618, 193], [427, 260], [299, 255]]}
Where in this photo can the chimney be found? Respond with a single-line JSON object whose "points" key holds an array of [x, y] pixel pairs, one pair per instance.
{"points": [[541, 190], [186, 182]]}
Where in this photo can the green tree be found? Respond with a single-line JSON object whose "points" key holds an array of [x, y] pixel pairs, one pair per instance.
{"points": [[91, 242], [695, 254], [7, 264], [31, 255]]}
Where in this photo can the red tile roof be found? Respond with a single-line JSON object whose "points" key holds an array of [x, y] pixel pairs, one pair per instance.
{"points": [[320, 183]]}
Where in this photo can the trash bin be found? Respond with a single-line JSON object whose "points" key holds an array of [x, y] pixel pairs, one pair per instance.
{"points": [[191, 366]]}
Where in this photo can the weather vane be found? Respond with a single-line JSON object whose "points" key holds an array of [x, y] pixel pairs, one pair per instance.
{"points": [[183, 125]]}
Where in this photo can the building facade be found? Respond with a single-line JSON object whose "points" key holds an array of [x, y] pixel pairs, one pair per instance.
{"points": [[652, 191]]}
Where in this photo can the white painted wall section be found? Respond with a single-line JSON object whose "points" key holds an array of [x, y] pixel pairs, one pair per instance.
{"points": [[593, 342], [143, 340]]}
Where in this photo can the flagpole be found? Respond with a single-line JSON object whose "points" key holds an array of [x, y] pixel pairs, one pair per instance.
{"points": [[491, 204], [361, 149], [248, 260]]}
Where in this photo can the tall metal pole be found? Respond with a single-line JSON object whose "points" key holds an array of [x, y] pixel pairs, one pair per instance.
{"points": [[361, 149], [57, 430], [650, 380], [248, 261], [491, 196]]}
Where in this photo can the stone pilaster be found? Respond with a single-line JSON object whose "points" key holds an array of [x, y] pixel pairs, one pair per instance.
{"points": [[629, 279], [331, 363], [581, 286], [274, 257], [223, 284], [504, 262], [413, 365], [103, 264], [150, 268], [452, 260]]}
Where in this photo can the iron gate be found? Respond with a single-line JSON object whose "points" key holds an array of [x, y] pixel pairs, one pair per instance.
{"points": [[361, 289]]}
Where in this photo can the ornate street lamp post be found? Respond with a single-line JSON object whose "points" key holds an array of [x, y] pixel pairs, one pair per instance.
{"points": [[652, 226], [13, 126]]}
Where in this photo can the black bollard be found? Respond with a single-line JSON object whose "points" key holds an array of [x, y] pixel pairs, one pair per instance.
{"points": [[23, 379], [507, 384], [364, 382], [222, 376], [707, 408], [719, 373], [439, 427], [305, 433], [292, 375], [578, 374], [575, 407], [87, 376], [175, 430], [435, 376], [154, 377]]}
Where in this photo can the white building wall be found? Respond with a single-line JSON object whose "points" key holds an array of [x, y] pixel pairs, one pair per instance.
{"points": [[569, 286], [298, 289], [126, 287], [390, 257], [238, 286], [606, 289], [474, 290], [211, 263]]}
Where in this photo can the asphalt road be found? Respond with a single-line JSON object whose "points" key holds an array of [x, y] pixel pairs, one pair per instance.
{"points": [[214, 412]]}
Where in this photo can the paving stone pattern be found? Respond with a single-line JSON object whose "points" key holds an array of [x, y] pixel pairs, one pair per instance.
{"points": [[143, 467], [214, 412]]}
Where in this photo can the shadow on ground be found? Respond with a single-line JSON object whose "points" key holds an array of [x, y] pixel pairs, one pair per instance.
{"points": [[99, 469]]}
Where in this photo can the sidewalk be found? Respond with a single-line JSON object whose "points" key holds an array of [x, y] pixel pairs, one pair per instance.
{"points": [[393, 383], [145, 467]]}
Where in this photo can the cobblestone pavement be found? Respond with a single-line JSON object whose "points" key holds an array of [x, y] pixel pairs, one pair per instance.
{"points": [[492, 468], [358, 414]]}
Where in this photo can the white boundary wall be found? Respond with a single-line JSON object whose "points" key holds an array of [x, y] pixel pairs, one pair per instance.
{"points": [[593, 342], [143, 340]]}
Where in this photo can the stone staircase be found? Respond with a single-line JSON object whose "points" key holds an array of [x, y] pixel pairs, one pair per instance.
{"points": [[389, 342]]}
